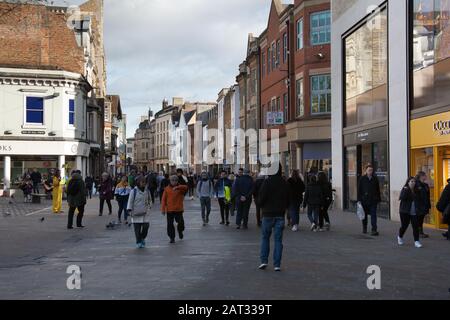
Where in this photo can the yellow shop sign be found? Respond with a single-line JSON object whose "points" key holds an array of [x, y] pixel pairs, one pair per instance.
{"points": [[431, 131]]}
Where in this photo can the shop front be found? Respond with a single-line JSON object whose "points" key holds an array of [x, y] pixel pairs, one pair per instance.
{"points": [[362, 148], [430, 153]]}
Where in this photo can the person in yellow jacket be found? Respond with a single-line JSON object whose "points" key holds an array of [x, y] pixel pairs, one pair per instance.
{"points": [[57, 192]]}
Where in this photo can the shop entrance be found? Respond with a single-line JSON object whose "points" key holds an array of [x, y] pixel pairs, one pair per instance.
{"points": [[435, 162]]}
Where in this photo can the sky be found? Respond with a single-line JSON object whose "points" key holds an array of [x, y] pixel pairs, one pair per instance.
{"points": [[158, 49]]}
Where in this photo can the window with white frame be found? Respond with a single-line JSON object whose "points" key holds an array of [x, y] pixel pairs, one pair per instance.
{"points": [[286, 107], [273, 56], [320, 28], [285, 47], [321, 94], [72, 112], [263, 71], [34, 111], [278, 106], [300, 107], [277, 60], [300, 34]]}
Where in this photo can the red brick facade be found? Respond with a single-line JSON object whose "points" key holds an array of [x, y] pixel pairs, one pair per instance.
{"points": [[36, 36]]}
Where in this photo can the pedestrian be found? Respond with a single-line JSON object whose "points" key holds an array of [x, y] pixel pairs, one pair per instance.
{"points": [[132, 179], [48, 184], [232, 179], [243, 192], [423, 201], [191, 185], [296, 191], [313, 200], [36, 178], [182, 180], [256, 189], [409, 202], [274, 201], [27, 189], [97, 185], [89, 182], [369, 196], [222, 190], [444, 207], [122, 193], [57, 192], [165, 182], [139, 206], [76, 197], [327, 191], [106, 192], [152, 185], [173, 208], [205, 191], [159, 179]]}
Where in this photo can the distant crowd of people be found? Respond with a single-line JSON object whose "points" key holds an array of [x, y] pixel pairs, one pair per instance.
{"points": [[278, 200]]}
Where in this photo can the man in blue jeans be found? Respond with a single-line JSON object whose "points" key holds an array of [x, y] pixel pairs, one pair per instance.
{"points": [[274, 201]]}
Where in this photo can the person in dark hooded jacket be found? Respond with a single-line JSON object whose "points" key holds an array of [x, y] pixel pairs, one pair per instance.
{"points": [[242, 192], [76, 197], [296, 191], [314, 199], [443, 206], [423, 201], [274, 201]]}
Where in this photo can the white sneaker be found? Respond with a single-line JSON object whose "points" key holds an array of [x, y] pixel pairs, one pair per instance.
{"points": [[400, 241], [295, 228], [263, 266], [277, 269], [418, 244], [313, 227]]}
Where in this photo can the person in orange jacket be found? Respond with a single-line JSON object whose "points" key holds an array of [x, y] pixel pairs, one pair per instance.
{"points": [[172, 206]]}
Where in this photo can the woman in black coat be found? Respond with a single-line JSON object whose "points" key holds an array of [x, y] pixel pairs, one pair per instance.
{"points": [[424, 200], [442, 206], [409, 204], [296, 191], [327, 191], [313, 200]]}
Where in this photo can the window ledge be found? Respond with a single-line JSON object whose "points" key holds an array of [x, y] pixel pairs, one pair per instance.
{"points": [[31, 127]]}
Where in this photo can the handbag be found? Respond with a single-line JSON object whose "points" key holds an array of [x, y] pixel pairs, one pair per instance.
{"points": [[360, 211]]}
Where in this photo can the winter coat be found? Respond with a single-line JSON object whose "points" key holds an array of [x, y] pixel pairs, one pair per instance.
{"points": [[423, 199], [76, 191], [444, 201], [407, 198], [296, 191], [273, 198], [327, 191], [243, 187], [173, 198], [369, 191], [139, 202], [219, 188], [314, 196], [257, 188], [152, 182], [106, 189]]}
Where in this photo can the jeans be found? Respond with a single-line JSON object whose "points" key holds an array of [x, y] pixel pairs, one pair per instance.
{"points": [[89, 192], [191, 191], [102, 203], [323, 216], [372, 210], [141, 231], [35, 188], [178, 218], [294, 213], [205, 202], [277, 225], [123, 203], [407, 219], [243, 208], [152, 194], [224, 210], [79, 216], [313, 214]]}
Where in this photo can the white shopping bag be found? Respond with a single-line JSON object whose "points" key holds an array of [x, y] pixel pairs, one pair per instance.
{"points": [[360, 212]]}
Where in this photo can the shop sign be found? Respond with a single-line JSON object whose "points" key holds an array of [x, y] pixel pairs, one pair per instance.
{"points": [[431, 131], [6, 148], [275, 118]]}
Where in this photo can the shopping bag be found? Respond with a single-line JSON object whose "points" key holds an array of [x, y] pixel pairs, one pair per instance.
{"points": [[360, 211]]}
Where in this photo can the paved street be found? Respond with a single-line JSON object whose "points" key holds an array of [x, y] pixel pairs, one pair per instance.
{"points": [[215, 262]]}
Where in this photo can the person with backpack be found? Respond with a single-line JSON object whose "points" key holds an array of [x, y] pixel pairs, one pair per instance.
{"points": [[205, 191], [139, 206], [409, 203], [313, 200], [222, 191], [369, 195], [172, 206], [76, 197], [327, 190], [444, 207], [122, 193], [296, 191], [274, 201]]}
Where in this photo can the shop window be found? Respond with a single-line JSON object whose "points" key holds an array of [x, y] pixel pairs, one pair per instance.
{"points": [[320, 28], [366, 72], [321, 94], [431, 52], [35, 110]]}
